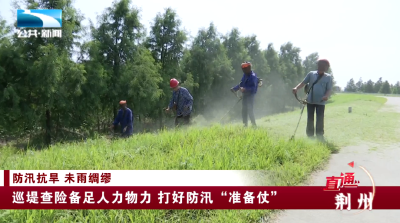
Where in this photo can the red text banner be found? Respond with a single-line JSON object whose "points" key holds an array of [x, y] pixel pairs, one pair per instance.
{"points": [[94, 178], [2, 172], [192, 197]]}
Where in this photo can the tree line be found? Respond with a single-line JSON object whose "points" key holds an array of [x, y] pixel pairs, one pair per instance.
{"points": [[46, 91], [369, 86]]}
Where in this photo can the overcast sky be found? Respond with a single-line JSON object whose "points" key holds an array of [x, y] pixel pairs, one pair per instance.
{"points": [[361, 38]]}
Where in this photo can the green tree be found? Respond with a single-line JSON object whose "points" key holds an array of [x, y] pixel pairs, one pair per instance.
{"points": [[210, 67], [351, 86], [369, 87], [129, 70], [378, 85], [261, 68], [140, 80], [43, 90], [310, 63], [236, 50], [360, 85], [117, 34], [396, 88], [5, 30], [277, 82], [96, 87], [43, 82], [189, 83], [166, 42], [293, 72], [385, 89], [7, 56], [258, 60]]}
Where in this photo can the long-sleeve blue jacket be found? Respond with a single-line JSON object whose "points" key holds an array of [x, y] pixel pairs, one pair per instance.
{"points": [[125, 121], [249, 82], [184, 101]]}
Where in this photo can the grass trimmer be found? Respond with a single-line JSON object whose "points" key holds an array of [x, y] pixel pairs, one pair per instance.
{"points": [[239, 99], [301, 114], [172, 113], [114, 134], [259, 83]]}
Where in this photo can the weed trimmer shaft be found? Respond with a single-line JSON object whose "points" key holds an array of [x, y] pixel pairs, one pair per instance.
{"points": [[240, 98]]}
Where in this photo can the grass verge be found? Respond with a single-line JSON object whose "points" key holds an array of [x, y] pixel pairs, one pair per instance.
{"points": [[197, 149], [366, 123]]}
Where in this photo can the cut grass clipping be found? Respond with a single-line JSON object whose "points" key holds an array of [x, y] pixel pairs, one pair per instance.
{"points": [[215, 148]]}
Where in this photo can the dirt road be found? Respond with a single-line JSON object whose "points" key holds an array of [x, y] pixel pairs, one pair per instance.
{"points": [[382, 161]]}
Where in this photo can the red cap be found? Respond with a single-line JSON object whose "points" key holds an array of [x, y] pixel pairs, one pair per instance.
{"points": [[173, 83], [122, 102], [246, 64]]}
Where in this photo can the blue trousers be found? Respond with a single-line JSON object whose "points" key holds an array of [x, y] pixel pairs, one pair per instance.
{"points": [[247, 109], [127, 133]]}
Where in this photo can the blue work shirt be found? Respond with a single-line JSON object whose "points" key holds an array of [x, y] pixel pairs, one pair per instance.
{"points": [[126, 121], [319, 90], [249, 82], [184, 102]]}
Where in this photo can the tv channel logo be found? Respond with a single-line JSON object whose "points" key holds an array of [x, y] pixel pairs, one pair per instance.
{"points": [[39, 18]]}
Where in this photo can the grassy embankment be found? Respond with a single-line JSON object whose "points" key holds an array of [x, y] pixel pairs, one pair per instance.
{"points": [[367, 122], [216, 148]]}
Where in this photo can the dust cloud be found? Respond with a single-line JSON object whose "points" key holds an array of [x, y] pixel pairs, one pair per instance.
{"points": [[274, 96]]}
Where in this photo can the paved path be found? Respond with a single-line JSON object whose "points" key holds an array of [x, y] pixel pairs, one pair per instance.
{"points": [[383, 164]]}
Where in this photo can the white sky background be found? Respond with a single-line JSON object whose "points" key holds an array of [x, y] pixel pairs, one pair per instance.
{"points": [[361, 38]]}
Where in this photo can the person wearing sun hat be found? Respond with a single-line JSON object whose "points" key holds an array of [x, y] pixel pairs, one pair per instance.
{"points": [[248, 86], [125, 119]]}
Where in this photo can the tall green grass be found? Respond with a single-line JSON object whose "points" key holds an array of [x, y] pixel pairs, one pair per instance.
{"points": [[215, 148]]}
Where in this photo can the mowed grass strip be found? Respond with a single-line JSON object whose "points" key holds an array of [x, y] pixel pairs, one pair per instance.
{"points": [[215, 148], [366, 123]]}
